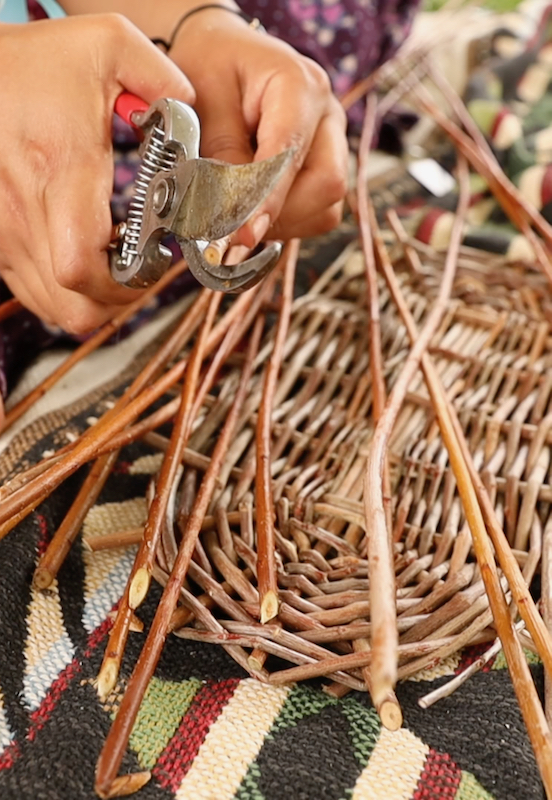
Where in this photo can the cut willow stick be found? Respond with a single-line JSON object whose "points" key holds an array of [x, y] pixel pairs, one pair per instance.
{"points": [[50, 563], [449, 688], [139, 580], [107, 541], [334, 663], [384, 635], [116, 742], [100, 438], [56, 552], [266, 544], [91, 344], [86, 449], [383, 697], [531, 709], [9, 308]]}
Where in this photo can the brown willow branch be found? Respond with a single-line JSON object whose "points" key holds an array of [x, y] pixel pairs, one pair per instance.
{"points": [[522, 681], [376, 359], [268, 584], [99, 439], [9, 308], [139, 580], [57, 550], [91, 344], [382, 583], [117, 739], [388, 707]]}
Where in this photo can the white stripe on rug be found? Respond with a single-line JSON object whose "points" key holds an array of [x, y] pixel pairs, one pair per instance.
{"points": [[233, 742], [394, 768]]}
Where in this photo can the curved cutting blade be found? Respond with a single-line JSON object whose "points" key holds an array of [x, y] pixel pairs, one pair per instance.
{"points": [[219, 198], [231, 278]]}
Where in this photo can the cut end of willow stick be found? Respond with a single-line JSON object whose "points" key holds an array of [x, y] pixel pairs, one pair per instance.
{"points": [[123, 785], [139, 588], [269, 606], [107, 679], [42, 578], [257, 659], [390, 714], [215, 251]]}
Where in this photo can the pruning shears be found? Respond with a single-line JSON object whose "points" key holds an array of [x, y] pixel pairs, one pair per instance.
{"points": [[198, 200]]}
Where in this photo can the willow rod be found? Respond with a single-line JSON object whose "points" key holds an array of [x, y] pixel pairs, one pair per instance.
{"points": [[531, 709], [266, 544], [116, 742]]}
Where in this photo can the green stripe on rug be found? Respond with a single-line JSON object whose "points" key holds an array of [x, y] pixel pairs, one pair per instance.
{"points": [[302, 701], [249, 788], [471, 789], [364, 729], [162, 709]]}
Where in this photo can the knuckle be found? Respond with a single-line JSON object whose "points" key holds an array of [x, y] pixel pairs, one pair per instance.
{"points": [[330, 218], [226, 144], [79, 321], [115, 26], [70, 273], [318, 77], [335, 186]]}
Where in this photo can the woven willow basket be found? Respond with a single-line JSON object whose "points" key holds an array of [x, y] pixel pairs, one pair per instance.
{"points": [[492, 351]]}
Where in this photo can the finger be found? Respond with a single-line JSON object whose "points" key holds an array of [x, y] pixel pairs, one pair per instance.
{"points": [[320, 185], [29, 290], [79, 228], [224, 135], [139, 66], [290, 115], [321, 222]]}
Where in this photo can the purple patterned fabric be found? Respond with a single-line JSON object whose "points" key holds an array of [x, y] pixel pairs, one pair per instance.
{"points": [[349, 38]]}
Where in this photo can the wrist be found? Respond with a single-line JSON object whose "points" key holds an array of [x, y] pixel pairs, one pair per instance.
{"points": [[205, 15]]}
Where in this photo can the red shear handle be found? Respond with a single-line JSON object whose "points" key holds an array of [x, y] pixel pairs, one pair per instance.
{"points": [[128, 104]]}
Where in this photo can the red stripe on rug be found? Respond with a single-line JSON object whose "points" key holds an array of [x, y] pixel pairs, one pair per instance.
{"points": [[44, 535], [9, 756], [179, 755], [440, 779], [41, 715]]}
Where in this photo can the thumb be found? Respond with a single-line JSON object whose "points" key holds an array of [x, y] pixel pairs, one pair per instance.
{"points": [[140, 67]]}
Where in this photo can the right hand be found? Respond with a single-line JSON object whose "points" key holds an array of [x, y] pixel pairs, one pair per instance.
{"points": [[60, 80]]}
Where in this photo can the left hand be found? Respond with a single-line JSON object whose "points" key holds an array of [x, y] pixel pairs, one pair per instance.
{"points": [[254, 87]]}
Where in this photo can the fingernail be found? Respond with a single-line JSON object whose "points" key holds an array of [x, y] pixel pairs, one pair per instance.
{"points": [[259, 227]]}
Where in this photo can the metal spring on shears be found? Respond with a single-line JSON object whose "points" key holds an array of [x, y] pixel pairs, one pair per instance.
{"points": [[156, 158]]}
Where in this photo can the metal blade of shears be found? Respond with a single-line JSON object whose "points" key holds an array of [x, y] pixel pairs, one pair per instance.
{"points": [[219, 198]]}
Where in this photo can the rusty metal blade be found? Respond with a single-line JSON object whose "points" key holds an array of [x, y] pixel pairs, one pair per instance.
{"points": [[221, 197]]}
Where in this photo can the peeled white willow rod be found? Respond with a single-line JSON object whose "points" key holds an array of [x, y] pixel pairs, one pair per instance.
{"points": [[449, 688]]}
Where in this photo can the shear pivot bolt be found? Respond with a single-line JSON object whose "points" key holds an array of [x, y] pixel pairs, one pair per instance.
{"points": [[162, 197]]}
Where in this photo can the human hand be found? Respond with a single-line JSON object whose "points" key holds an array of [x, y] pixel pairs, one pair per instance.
{"points": [[60, 80], [253, 86]]}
